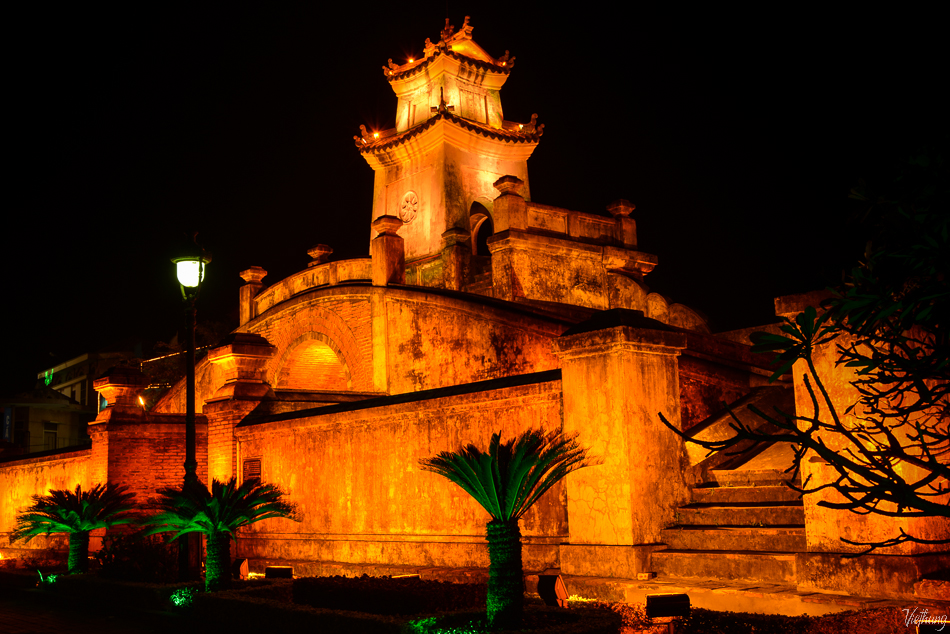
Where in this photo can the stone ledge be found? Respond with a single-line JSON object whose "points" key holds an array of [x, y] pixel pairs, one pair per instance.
{"points": [[764, 598]]}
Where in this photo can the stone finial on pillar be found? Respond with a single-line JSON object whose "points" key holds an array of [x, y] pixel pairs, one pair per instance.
{"points": [[510, 208], [456, 253], [253, 276], [626, 226], [120, 387], [320, 254], [388, 252], [241, 357]]}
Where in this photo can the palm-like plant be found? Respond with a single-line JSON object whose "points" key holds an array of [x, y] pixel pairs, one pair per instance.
{"points": [[506, 481], [76, 513], [217, 514]]}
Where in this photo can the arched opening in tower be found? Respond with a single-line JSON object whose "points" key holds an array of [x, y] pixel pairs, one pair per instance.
{"points": [[313, 365], [482, 229]]}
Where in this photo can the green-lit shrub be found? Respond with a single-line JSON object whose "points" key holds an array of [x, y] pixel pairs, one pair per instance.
{"points": [[183, 597]]}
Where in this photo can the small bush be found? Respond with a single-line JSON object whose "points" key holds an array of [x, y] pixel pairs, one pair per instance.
{"points": [[138, 557], [183, 597]]}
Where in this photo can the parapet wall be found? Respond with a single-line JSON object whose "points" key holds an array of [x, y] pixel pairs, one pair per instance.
{"points": [[353, 470], [21, 479]]}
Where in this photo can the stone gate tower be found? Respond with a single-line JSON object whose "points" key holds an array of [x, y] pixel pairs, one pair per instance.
{"points": [[436, 169]]}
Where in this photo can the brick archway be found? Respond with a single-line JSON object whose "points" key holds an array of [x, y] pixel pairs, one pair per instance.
{"points": [[317, 337], [313, 361]]}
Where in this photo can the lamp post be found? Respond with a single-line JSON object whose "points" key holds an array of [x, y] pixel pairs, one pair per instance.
{"points": [[190, 267]]}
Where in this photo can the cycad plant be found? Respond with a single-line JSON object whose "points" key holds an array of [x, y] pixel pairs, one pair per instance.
{"points": [[506, 481], [217, 514], [76, 513]]}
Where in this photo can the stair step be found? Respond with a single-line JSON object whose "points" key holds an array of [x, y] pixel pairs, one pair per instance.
{"points": [[733, 565], [747, 477], [789, 539], [793, 515], [744, 494]]}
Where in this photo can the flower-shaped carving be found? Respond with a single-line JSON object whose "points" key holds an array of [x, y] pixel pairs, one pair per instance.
{"points": [[409, 207]]}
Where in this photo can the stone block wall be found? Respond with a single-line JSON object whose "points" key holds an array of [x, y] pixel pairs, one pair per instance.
{"points": [[21, 479], [353, 470]]}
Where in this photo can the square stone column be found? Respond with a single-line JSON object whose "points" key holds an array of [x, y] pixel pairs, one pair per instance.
{"points": [[242, 358], [253, 284], [388, 252], [456, 253], [619, 371]]}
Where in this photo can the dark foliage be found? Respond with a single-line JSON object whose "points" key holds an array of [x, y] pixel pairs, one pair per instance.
{"points": [[388, 595], [138, 557]]}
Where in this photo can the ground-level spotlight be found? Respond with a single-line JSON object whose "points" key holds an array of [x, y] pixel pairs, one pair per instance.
{"points": [[667, 607], [552, 590], [239, 569]]}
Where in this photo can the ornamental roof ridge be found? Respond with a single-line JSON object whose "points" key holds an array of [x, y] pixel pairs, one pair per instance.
{"points": [[507, 135], [409, 69], [501, 65]]}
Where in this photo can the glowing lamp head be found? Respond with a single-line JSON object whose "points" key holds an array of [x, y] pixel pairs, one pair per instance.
{"points": [[190, 266], [190, 272]]}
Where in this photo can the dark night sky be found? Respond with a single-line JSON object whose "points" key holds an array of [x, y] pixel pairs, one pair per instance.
{"points": [[737, 135]]}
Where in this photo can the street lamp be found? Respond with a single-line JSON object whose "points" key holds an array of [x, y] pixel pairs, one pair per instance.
{"points": [[190, 268]]}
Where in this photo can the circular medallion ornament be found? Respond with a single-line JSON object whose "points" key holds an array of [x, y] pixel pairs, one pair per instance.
{"points": [[409, 207]]}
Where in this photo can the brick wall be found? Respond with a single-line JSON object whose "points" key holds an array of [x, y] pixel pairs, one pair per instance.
{"points": [[147, 455]]}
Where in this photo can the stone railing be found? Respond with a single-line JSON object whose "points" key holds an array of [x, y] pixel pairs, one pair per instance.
{"points": [[325, 274], [574, 224]]}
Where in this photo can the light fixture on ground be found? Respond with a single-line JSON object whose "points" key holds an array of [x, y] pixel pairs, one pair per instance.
{"points": [[552, 590], [667, 608], [190, 267]]}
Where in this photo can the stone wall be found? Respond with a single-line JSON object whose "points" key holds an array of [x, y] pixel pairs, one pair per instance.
{"points": [[21, 479], [353, 472]]}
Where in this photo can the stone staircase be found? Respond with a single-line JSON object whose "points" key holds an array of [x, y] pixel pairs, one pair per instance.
{"points": [[743, 522], [744, 525]]}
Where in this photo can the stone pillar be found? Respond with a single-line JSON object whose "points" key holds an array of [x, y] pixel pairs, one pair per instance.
{"points": [[626, 226], [253, 276], [510, 210], [510, 215], [456, 254], [241, 357], [388, 252], [120, 387], [619, 369]]}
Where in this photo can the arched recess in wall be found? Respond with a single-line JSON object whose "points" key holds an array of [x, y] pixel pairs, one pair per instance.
{"points": [[482, 226], [313, 361]]}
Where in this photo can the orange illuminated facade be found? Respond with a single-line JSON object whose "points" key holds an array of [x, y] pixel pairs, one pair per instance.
{"points": [[479, 310]]}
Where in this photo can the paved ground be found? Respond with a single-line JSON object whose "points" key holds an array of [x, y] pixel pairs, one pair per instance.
{"points": [[31, 612]]}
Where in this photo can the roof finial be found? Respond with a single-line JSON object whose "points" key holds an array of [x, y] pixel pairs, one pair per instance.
{"points": [[447, 31]]}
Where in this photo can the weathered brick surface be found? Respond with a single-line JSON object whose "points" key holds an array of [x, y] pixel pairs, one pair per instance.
{"points": [[149, 455]]}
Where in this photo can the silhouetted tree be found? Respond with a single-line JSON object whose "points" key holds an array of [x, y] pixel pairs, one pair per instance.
{"points": [[889, 323]]}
